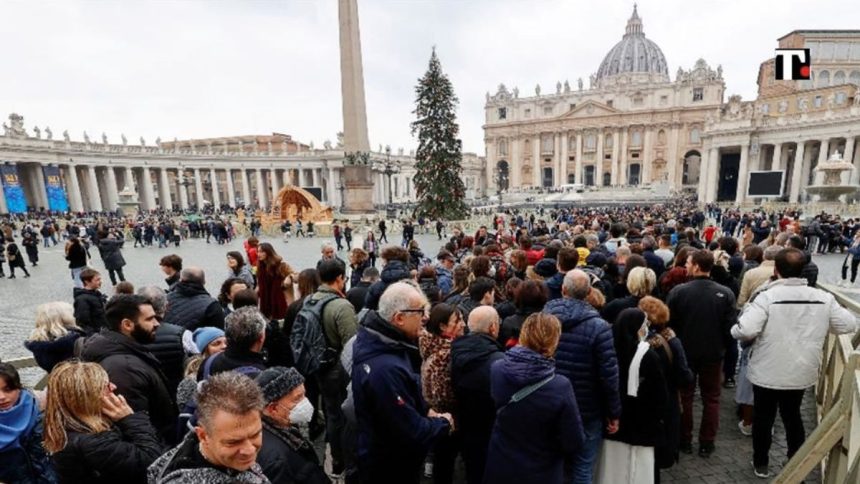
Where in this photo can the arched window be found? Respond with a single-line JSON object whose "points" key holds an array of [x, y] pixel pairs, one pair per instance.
{"points": [[526, 148], [571, 144], [590, 141], [607, 141], [661, 137], [636, 138], [838, 78], [695, 136], [824, 79], [854, 78]]}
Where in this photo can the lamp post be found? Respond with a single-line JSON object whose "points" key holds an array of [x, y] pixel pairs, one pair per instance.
{"points": [[341, 187], [389, 168]]}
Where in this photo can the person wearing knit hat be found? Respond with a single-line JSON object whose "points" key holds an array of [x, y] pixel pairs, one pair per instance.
{"points": [[209, 340], [286, 456]]}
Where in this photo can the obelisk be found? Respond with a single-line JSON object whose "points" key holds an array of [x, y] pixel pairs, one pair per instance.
{"points": [[358, 195]]}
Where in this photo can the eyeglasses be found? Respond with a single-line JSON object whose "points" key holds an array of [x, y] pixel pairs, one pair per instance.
{"points": [[419, 310]]}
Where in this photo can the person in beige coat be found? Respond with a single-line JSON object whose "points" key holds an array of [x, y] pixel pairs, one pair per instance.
{"points": [[754, 278]]}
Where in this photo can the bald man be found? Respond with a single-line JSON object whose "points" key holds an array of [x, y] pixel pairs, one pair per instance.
{"points": [[586, 356], [190, 306], [472, 356]]}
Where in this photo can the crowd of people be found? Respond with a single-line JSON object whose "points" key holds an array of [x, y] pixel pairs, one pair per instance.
{"points": [[563, 345]]}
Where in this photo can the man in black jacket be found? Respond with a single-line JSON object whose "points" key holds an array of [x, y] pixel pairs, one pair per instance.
{"points": [[356, 295], [189, 305], [169, 346], [472, 356], [118, 348], [90, 302], [171, 266], [702, 314], [286, 456]]}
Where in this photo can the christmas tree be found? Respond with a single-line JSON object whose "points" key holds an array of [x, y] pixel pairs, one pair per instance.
{"points": [[438, 159]]}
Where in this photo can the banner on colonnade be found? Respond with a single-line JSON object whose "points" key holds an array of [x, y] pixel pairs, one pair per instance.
{"points": [[12, 190], [57, 199]]}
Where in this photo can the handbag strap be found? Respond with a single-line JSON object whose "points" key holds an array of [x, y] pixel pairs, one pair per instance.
{"points": [[524, 392]]}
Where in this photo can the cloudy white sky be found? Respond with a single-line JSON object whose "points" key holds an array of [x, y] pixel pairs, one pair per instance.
{"points": [[218, 68]]}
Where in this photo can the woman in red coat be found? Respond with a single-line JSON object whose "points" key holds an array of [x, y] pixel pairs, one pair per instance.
{"points": [[274, 282]]}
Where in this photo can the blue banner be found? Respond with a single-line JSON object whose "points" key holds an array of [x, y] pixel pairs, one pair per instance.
{"points": [[12, 190], [54, 186]]}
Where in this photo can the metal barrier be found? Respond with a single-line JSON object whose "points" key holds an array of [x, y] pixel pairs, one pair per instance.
{"points": [[835, 442]]}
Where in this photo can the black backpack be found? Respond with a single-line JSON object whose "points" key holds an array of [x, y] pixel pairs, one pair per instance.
{"points": [[311, 350]]}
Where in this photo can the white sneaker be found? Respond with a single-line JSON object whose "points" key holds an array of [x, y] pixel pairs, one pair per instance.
{"points": [[745, 429]]}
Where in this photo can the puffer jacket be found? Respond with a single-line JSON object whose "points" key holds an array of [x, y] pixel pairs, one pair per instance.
{"points": [[436, 371], [189, 305], [788, 322], [394, 271], [111, 253], [49, 353], [586, 356], [90, 309]]}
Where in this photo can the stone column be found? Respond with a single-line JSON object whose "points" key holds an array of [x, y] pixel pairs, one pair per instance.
{"points": [[261, 190], [76, 203], [246, 189], [562, 172], [93, 186], [776, 162], [622, 175], [616, 149], [536, 162], [286, 177], [823, 153], [352, 79], [704, 168], [330, 187], [578, 163], [743, 175], [713, 173], [148, 192], [182, 189], [112, 189], [198, 188], [598, 157], [274, 184], [515, 166], [164, 184], [315, 174], [216, 194], [231, 189], [41, 186], [848, 156], [556, 159], [647, 156], [797, 172], [674, 161]]}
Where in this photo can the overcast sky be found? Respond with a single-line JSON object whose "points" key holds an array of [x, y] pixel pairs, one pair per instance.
{"points": [[195, 69]]}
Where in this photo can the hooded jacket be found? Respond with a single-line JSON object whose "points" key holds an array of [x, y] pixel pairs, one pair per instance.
{"points": [[137, 376], [531, 438], [586, 356], [394, 432], [393, 271], [90, 309], [190, 306], [472, 356], [185, 465], [48, 353]]}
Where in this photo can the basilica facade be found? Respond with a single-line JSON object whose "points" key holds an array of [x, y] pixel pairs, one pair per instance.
{"points": [[634, 125]]}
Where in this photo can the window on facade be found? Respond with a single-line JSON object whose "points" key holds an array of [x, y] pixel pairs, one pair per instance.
{"points": [[609, 103], [825, 51], [546, 143], [854, 78], [823, 78], [695, 137], [636, 138], [526, 148], [817, 101], [664, 100], [813, 49], [590, 142], [661, 137], [607, 142], [528, 113], [765, 108], [698, 93], [571, 144], [855, 51], [840, 97], [572, 106], [503, 147], [503, 113], [839, 78], [547, 110], [638, 101]]}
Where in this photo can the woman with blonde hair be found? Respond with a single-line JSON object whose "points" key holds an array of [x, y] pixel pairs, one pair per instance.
{"points": [[641, 282], [54, 338], [538, 426], [92, 434]]}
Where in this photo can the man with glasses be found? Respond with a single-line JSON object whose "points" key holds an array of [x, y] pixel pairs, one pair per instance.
{"points": [[396, 428]]}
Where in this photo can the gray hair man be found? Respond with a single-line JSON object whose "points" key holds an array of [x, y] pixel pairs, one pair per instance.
{"points": [[224, 445], [246, 333], [189, 304], [395, 424]]}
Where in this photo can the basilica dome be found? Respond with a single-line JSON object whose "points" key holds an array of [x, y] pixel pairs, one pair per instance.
{"points": [[635, 56]]}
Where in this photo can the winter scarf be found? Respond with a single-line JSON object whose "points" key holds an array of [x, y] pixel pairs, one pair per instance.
{"points": [[18, 421]]}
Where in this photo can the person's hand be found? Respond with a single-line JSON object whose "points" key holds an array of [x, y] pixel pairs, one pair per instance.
{"points": [[115, 407], [612, 426]]}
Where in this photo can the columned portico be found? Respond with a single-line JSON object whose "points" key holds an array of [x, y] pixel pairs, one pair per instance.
{"points": [[231, 189]]}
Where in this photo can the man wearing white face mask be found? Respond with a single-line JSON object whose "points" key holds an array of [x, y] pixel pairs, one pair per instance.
{"points": [[286, 456]]}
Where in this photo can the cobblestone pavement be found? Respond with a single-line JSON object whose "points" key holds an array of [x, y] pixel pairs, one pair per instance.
{"points": [[50, 281]]}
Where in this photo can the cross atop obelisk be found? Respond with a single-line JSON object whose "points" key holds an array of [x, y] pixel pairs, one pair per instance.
{"points": [[352, 79]]}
